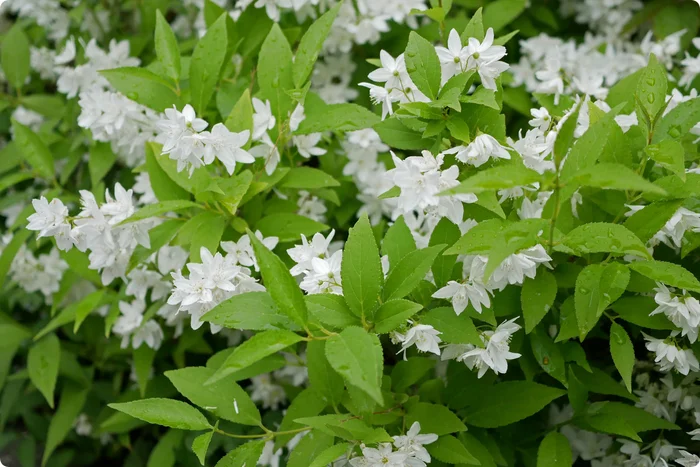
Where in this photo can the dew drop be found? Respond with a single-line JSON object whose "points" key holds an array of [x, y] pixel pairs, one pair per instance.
{"points": [[651, 98]]}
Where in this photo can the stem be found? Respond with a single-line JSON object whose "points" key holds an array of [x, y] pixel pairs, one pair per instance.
{"points": [[555, 214], [268, 434]]}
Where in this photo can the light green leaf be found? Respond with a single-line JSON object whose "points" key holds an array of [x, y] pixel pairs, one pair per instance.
{"points": [[325, 381], [289, 227], [405, 276], [34, 150], [163, 186], [163, 455], [622, 352], [357, 357], [669, 154], [102, 158], [254, 311], [207, 235], [501, 13], [475, 28], [678, 122], [548, 355], [329, 455], [448, 449], [310, 447], [554, 451], [144, 87], [646, 222], [597, 286], [254, 349], [157, 209], [651, 88], [600, 237], [337, 117], [311, 44], [308, 178], [247, 454], [509, 402], [69, 407], [454, 329], [399, 136], [15, 56], [497, 178], [537, 297], [207, 59], [275, 72], [423, 65], [306, 404], [434, 418], [280, 284], [398, 242], [143, 365], [613, 176], [200, 446], [361, 270], [445, 233], [331, 311], [165, 412], [42, 365], [668, 273], [10, 252], [393, 314], [241, 117], [166, 47], [225, 399], [349, 428]]}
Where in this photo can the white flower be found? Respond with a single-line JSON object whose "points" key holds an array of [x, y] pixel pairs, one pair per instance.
{"points": [[263, 120], [392, 73], [324, 275], [382, 456], [485, 57], [479, 151], [50, 220], [688, 459], [423, 336], [179, 135], [226, 146], [454, 58], [669, 356], [462, 294], [306, 145], [683, 311], [267, 150], [82, 425], [513, 270], [304, 253], [413, 443], [265, 391]]}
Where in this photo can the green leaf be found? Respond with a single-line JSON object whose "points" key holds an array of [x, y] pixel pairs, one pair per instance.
{"points": [[455, 329], [405, 276], [434, 418], [165, 412], [548, 355], [69, 407], [207, 235], [308, 178], [42, 365], [329, 455], [399, 136], [256, 348], [668, 273], [423, 65], [247, 454], [651, 88], [501, 13], [274, 72], [144, 87], [597, 286], [166, 47], [678, 122], [398, 241], [393, 314], [280, 284], [241, 117], [310, 46], [351, 429], [200, 446], [478, 239], [310, 447], [15, 56], [669, 154], [361, 270], [337, 117], [163, 455], [646, 222], [34, 150], [445, 233], [613, 176], [235, 189], [636, 310], [537, 298], [448, 449], [254, 311], [306, 404], [497, 178], [601, 383], [207, 59], [225, 399], [357, 357], [163, 186], [622, 352], [600, 237], [157, 209], [323, 379], [10, 252], [554, 451], [475, 28], [289, 227], [143, 364], [331, 311], [102, 158], [509, 402], [408, 372]]}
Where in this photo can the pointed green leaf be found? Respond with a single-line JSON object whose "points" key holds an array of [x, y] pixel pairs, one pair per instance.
{"points": [[166, 47], [42, 365], [554, 451], [361, 270], [537, 298], [207, 59]]}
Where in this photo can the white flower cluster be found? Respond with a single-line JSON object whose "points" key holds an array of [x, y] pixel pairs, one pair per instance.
{"points": [[95, 228], [46, 13], [494, 353], [407, 451], [320, 267], [216, 278], [185, 140], [607, 17], [480, 56]]}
